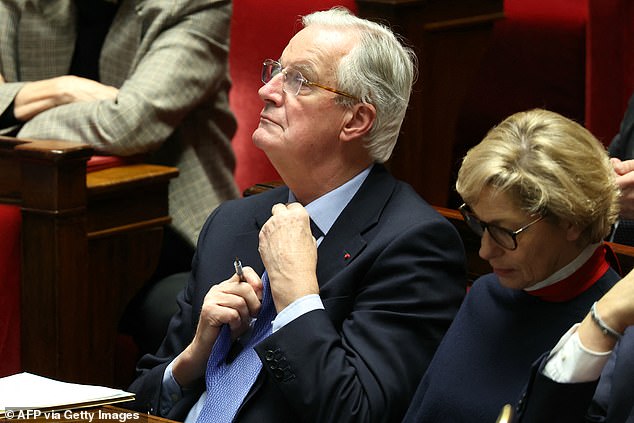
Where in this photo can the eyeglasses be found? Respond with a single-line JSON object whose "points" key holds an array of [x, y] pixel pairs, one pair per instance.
{"points": [[293, 79], [506, 238]]}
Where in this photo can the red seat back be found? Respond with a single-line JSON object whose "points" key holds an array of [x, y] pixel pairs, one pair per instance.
{"points": [[10, 221]]}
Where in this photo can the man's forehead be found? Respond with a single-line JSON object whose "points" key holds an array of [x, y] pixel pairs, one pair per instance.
{"points": [[330, 40], [316, 49]]}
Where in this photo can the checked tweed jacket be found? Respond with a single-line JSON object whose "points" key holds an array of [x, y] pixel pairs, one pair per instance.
{"points": [[169, 58]]}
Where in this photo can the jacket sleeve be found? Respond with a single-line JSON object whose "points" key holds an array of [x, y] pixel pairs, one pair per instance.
{"points": [[361, 358], [545, 400], [147, 387], [180, 64], [8, 91]]}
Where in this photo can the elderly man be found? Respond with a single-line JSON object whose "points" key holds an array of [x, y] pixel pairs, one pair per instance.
{"points": [[335, 325]]}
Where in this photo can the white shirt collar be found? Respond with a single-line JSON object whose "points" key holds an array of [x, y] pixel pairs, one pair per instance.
{"points": [[325, 210], [568, 269]]}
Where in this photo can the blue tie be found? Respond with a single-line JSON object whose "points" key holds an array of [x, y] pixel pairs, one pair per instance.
{"points": [[229, 383]]}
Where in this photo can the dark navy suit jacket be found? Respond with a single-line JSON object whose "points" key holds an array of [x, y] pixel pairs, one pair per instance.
{"points": [[392, 275]]}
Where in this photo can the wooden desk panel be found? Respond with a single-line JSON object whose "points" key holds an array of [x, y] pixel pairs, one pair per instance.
{"points": [[89, 242], [450, 38]]}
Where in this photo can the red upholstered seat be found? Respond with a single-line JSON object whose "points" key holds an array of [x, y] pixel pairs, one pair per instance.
{"points": [[260, 30], [10, 221]]}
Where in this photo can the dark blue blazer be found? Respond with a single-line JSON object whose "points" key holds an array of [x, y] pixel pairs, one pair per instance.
{"points": [[612, 401], [485, 357], [392, 275]]}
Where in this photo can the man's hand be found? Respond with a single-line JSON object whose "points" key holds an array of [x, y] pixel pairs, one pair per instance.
{"points": [[289, 254], [231, 302], [39, 96], [625, 181], [1, 79]]}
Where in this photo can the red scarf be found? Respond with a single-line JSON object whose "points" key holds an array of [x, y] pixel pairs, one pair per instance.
{"points": [[580, 281]]}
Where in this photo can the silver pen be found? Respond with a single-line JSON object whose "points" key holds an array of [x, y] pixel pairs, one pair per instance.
{"points": [[237, 264]]}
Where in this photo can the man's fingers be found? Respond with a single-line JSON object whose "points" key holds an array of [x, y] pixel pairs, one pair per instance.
{"points": [[622, 167]]}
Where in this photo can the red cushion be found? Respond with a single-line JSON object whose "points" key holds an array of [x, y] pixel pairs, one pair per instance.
{"points": [[10, 221], [104, 162]]}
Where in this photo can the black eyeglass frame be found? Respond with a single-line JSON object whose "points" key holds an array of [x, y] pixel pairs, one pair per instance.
{"points": [[478, 227]]}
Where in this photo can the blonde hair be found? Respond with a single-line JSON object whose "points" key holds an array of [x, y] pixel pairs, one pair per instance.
{"points": [[547, 164]]}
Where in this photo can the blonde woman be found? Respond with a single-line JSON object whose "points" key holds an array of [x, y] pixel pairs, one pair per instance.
{"points": [[541, 192]]}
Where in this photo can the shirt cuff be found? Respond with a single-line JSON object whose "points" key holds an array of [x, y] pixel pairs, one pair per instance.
{"points": [[571, 362], [296, 309], [171, 391]]}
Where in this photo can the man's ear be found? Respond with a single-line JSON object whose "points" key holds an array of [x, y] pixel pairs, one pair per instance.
{"points": [[361, 117]]}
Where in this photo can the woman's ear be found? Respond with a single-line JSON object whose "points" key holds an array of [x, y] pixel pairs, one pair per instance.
{"points": [[360, 120], [573, 232]]}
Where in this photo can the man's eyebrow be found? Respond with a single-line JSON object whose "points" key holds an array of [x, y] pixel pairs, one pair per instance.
{"points": [[306, 68]]}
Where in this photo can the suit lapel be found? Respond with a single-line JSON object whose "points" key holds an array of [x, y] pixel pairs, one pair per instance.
{"points": [[251, 256], [346, 240]]}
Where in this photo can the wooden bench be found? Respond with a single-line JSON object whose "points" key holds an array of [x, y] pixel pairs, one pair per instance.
{"points": [[88, 243]]}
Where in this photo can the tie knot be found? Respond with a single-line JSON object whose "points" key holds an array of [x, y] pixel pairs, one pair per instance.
{"points": [[317, 233]]}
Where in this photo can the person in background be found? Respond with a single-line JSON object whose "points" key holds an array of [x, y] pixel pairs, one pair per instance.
{"points": [[621, 150], [540, 191], [129, 78], [272, 328], [589, 374]]}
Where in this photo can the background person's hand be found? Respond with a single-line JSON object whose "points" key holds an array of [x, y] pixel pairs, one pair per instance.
{"points": [[625, 180], [39, 96]]}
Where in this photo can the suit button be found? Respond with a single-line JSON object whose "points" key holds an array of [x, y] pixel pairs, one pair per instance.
{"points": [[278, 374]]}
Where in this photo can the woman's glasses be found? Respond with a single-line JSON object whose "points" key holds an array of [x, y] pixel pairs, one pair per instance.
{"points": [[506, 238]]}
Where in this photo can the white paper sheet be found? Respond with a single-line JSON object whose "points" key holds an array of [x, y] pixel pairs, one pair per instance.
{"points": [[29, 391]]}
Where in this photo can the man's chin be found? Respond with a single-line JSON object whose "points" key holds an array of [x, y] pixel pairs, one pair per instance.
{"points": [[263, 139]]}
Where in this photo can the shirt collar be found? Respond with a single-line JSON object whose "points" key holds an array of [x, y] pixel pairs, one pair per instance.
{"points": [[325, 210], [568, 269]]}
